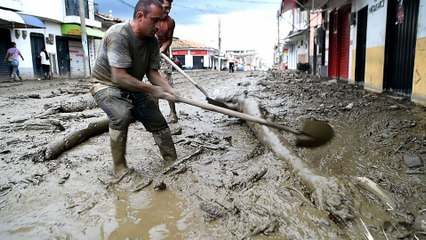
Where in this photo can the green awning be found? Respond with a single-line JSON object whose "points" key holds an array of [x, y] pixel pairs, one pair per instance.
{"points": [[75, 30], [94, 32]]}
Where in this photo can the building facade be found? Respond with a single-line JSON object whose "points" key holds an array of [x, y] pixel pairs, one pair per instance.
{"points": [[377, 44], [194, 55], [60, 34]]}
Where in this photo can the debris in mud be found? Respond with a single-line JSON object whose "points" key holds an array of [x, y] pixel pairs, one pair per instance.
{"points": [[257, 151], [212, 211], [248, 181], [420, 222], [413, 161], [160, 186], [64, 178], [182, 160], [75, 136], [252, 183]]}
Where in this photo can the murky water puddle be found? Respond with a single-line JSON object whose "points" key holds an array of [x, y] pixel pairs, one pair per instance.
{"points": [[148, 215]]}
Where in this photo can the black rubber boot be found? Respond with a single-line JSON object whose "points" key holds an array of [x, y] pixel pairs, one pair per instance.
{"points": [[165, 143]]}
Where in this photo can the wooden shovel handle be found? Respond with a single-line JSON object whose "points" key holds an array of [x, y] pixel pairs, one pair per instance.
{"points": [[184, 74], [236, 114]]}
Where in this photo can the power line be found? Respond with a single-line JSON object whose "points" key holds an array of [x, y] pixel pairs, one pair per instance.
{"points": [[256, 2], [127, 4], [208, 10], [208, 7], [196, 8]]}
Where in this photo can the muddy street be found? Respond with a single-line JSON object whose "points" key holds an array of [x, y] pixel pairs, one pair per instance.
{"points": [[233, 179]]}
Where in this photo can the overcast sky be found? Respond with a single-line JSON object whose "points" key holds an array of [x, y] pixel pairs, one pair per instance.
{"points": [[245, 24]]}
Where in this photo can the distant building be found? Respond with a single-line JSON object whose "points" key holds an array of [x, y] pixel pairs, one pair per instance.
{"points": [[245, 60], [193, 55]]}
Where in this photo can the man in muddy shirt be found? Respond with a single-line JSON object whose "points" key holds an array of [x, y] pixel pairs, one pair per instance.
{"points": [[164, 34], [128, 52]]}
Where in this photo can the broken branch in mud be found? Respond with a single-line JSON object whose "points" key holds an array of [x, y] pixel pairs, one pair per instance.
{"points": [[74, 105], [366, 231], [39, 124], [248, 182], [372, 187], [208, 145], [74, 137], [327, 193], [182, 160]]}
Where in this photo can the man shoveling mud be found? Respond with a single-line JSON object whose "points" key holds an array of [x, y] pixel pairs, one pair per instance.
{"points": [[164, 34], [128, 52]]}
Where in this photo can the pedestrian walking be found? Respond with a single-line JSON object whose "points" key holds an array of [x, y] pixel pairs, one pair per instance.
{"points": [[164, 34], [177, 62], [128, 52], [45, 63], [12, 58], [231, 66]]}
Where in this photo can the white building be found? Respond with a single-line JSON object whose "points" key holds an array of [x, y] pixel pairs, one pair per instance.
{"points": [[194, 55], [54, 24]]}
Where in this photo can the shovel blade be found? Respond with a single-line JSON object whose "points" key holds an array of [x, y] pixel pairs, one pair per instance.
{"points": [[314, 134], [217, 103]]}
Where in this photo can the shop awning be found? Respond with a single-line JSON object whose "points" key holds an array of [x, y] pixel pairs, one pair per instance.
{"points": [[11, 19], [75, 30], [308, 4], [295, 36]]}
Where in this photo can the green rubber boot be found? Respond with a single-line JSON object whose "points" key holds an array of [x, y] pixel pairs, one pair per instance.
{"points": [[173, 116], [165, 143], [118, 141]]}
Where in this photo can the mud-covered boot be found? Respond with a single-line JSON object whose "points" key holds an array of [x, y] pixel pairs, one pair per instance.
{"points": [[165, 143], [118, 141], [173, 116]]}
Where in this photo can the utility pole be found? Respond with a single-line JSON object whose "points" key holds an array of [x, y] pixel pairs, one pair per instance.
{"points": [[278, 26], [84, 38], [220, 45], [277, 55]]}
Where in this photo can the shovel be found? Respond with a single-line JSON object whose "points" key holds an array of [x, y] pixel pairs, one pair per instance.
{"points": [[313, 134], [209, 100]]}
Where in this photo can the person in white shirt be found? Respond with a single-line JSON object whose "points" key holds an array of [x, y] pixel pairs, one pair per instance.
{"points": [[45, 63]]}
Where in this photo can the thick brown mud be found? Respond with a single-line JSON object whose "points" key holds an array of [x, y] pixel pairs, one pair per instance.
{"points": [[232, 180]]}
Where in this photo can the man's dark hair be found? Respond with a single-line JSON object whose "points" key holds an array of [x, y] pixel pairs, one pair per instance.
{"points": [[144, 6], [162, 1]]}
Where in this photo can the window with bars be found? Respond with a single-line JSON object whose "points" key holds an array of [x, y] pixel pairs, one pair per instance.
{"points": [[72, 8]]}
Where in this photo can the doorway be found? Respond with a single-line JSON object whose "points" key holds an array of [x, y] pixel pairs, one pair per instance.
{"points": [[4, 45], [37, 44], [339, 43], [361, 41], [400, 45], [198, 62], [62, 50]]}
